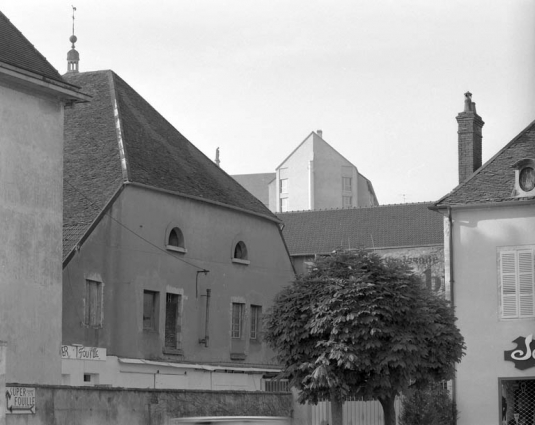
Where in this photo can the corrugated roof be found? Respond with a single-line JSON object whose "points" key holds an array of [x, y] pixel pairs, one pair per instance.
{"points": [[17, 51], [157, 155], [386, 226], [495, 180]]}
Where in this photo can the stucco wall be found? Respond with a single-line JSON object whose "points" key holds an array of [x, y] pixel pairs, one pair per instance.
{"points": [[100, 406], [477, 233], [128, 265], [31, 173]]}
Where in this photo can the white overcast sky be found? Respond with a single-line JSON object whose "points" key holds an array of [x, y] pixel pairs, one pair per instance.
{"points": [[383, 79]]}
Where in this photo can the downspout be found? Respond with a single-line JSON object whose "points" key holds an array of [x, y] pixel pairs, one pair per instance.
{"points": [[207, 319], [452, 300]]}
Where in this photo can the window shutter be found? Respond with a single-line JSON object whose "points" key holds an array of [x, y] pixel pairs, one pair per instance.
{"points": [[508, 278], [525, 283]]}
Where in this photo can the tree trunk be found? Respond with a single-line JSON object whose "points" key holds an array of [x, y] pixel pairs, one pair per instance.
{"points": [[389, 412], [336, 409]]}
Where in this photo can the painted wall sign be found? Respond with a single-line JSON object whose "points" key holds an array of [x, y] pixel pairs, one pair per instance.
{"points": [[79, 352], [524, 355], [20, 401]]}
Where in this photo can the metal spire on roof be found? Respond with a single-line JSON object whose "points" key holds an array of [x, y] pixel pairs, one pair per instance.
{"points": [[73, 57]]}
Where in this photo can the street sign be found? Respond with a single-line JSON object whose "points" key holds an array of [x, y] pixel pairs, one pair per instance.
{"points": [[20, 401]]}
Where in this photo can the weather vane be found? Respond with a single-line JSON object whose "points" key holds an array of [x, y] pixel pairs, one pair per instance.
{"points": [[73, 10]]}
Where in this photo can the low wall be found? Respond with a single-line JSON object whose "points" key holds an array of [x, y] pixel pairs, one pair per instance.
{"points": [[64, 405]]}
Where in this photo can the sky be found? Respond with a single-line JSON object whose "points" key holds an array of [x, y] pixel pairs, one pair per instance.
{"points": [[384, 80]]}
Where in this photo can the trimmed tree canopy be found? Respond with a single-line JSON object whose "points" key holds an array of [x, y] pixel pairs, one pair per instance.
{"points": [[360, 325]]}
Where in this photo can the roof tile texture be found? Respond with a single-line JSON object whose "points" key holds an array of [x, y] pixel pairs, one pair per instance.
{"points": [[17, 51], [387, 226]]}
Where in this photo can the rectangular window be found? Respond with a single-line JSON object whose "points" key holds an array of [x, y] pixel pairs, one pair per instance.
{"points": [[283, 185], [284, 204], [517, 289], [256, 316], [346, 184], [347, 201], [93, 303], [150, 299], [237, 320], [172, 317]]}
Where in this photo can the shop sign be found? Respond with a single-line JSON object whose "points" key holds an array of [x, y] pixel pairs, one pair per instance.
{"points": [[524, 355], [20, 401], [79, 352]]}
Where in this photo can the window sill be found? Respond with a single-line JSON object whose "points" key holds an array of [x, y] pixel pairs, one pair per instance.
{"points": [[238, 356], [173, 351], [240, 261], [176, 249]]}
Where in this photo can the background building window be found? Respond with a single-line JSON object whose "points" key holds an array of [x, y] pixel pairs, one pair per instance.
{"points": [[346, 184], [284, 204], [256, 317], [172, 318], [237, 320], [347, 201], [93, 303], [517, 283], [283, 185], [150, 299]]}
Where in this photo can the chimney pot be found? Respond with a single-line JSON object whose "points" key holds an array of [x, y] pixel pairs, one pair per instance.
{"points": [[320, 133]]}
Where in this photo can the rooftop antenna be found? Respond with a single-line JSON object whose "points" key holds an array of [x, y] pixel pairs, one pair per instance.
{"points": [[217, 161], [72, 56]]}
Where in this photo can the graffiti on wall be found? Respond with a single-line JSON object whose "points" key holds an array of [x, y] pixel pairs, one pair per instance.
{"points": [[79, 352]]}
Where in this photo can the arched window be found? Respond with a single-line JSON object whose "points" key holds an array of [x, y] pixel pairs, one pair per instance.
{"points": [[175, 240], [240, 254], [524, 177]]}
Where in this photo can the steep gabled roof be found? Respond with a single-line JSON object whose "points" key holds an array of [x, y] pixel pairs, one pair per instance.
{"points": [[386, 226], [17, 51], [494, 181], [119, 137]]}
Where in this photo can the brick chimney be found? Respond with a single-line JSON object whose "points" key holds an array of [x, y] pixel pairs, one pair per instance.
{"points": [[470, 126]]}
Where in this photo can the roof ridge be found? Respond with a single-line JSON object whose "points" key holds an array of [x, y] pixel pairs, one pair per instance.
{"points": [[360, 208]]}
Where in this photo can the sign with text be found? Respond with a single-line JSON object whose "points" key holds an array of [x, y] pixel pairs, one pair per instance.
{"points": [[79, 352], [20, 401]]}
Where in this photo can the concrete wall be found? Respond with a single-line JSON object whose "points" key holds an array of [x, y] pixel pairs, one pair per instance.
{"points": [[477, 234], [314, 171], [127, 265], [98, 406], [297, 170], [31, 173]]}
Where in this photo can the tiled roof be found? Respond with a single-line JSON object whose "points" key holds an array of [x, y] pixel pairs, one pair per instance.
{"points": [[257, 184], [17, 51], [495, 180], [386, 226], [157, 155]]}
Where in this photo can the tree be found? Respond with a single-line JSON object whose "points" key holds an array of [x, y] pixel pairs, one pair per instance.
{"points": [[360, 325], [431, 405]]}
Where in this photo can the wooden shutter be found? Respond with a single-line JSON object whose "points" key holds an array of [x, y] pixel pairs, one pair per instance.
{"points": [[508, 279], [525, 283]]}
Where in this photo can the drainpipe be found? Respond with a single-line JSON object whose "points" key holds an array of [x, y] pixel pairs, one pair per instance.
{"points": [[452, 298], [207, 320], [311, 184]]}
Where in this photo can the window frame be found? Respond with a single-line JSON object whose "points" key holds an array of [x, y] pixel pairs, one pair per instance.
{"points": [[283, 185], [237, 320], [155, 316], [346, 188], [180, 245], [516, 282], [255, 322], [243, 258], [283, 204], [93, 319], [344, 205]]}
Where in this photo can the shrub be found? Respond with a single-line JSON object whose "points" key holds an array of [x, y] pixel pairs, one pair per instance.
{"points": [[428, 406]]}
